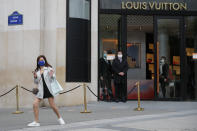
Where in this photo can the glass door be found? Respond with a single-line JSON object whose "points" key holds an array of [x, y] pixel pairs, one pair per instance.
{"points": [[169, 45], [191, 55], [140, 56], [110, 40]]}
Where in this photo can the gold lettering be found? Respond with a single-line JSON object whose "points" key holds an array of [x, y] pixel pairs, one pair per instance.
{"points": [[140, 5], [151, 4], [176, 6], [154, 6], [158, 6], [170, 5], [144, 5], [161, 6], [123, 5], [183, 6], [129, 5], [136, 5], [165, 6]]}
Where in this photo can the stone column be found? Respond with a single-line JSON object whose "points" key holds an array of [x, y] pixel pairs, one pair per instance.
{"points": [[48, 19], [48, 32], [195, 68], [164, 49], [94, 48]]}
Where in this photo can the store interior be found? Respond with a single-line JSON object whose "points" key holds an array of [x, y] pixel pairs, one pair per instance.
{"points": [[141, 52]]}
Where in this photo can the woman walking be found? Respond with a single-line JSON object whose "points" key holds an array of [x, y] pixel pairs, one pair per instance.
{"points": [[43, 75]]}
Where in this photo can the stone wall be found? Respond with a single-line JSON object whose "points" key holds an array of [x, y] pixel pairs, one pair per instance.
{"points": [[43, 32]]}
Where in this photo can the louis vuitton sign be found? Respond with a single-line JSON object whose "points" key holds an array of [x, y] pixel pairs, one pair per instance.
{"points": [[172, 6]]}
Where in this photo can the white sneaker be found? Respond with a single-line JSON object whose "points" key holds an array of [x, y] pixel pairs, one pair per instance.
{"points": [[34, 123], [61, 121]]}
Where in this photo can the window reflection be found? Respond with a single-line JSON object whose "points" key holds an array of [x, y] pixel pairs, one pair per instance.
{"points": [[169, 54]]}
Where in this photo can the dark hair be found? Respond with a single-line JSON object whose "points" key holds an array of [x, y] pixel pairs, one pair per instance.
{"points": [[116, 55], [163, 57], [46, 63]]}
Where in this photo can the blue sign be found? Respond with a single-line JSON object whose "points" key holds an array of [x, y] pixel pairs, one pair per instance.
{"points": [[15, 19]]}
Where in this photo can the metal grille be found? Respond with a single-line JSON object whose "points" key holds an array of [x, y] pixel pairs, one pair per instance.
{"points": [[109, 20], [139, 20], [112, 20]]}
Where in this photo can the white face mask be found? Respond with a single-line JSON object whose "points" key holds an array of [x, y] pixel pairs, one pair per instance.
{"points": [[162, 60], [119, 56]]}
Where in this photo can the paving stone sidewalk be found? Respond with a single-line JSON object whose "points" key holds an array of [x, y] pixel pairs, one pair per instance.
{"points": [[108, 116]]}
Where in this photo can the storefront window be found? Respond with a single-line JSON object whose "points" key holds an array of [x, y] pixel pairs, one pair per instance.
{"points": [[78, 42], [169, 57], [108, 44], [79, 9], [139, 49], [191, 49], [140, 56], [108, 34], [139, 39]]}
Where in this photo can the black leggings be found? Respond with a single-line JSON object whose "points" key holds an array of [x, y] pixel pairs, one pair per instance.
{"points": [[106, 83]]}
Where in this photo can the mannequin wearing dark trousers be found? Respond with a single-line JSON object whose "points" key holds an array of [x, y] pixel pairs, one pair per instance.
{"points": [[164, 68]]}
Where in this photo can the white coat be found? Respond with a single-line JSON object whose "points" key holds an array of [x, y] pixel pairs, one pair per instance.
{"points": [[48, 79]]}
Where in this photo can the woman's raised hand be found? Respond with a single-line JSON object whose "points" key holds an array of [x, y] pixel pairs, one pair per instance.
{"points": [[35, 75], [51, 73]]}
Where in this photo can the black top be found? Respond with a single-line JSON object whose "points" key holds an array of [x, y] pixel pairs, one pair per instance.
{"points": [[105, 68], [46, 92], [118, 67], [165, 69]]}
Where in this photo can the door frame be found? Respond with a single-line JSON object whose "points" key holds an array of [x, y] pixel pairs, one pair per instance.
{"points": [[122, 40], [182, 55], [122, 34]]}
